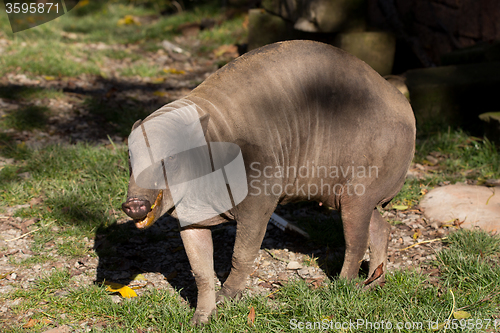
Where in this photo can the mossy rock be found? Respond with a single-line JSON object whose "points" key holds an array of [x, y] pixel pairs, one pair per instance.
{"points": [[455, 95], [265, 28], [375, 48], [491, 121]]}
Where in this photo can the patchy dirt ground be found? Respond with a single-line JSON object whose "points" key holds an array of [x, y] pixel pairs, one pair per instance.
{"points": [[157, 253]]}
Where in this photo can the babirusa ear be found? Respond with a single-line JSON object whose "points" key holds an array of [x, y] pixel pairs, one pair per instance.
{"points": [[136, 124], [204, 122]]}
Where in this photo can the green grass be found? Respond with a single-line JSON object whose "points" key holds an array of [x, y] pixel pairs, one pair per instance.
{"points": [[142, 69], [121, 54], [466, 157], [27, 93], [27, 118], [45, 50], [119, 118], [48, 57]]}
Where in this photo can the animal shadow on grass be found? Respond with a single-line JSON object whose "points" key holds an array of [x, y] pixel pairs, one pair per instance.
{"points": [[125, 251]]}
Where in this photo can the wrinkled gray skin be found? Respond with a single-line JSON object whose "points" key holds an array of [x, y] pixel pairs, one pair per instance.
{"points": [[288, 104]]}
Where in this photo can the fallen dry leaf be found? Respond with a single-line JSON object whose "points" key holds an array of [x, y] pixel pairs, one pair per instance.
{"points": [[32, 322], [251, 316], [35, 201], [174, 71], [265, 285], [125, 291], [417, 233], [226, 50], [376, 274], [245, 22], [158, 80], [160, 93]]}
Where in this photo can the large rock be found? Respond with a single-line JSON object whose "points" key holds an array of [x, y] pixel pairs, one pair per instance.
{"points": [[265, 28], [375, 48], [320, 15], [481, 52], [491, 121], [477, 206], [455, 95]]}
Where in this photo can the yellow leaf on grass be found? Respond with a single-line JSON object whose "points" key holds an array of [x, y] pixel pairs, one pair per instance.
{"points": [[128, 20], [159, 93], [174, 71], [461, 315], [125, 291], [439, 327], [400, 207], [49, 78], [82, 3], [158, 80]]}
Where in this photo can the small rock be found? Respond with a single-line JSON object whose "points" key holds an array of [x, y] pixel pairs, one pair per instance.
{"points": [[116, 299], [305, 272], [440, 232], [293, 265], [407, 240], [24, 175], [432, 159], [59, 265], [61, 293], [435, 225], [60, 329]]}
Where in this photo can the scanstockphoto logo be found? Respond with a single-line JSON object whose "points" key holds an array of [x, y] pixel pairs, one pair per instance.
{"points": [[170, 151], [29, 14]]}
